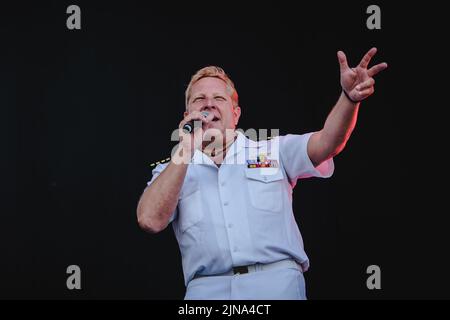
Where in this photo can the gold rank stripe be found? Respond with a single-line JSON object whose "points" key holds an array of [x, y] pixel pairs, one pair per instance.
{"points": [[168, 159], [159, 162]]}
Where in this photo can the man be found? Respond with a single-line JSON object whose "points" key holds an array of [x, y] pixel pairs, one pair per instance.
{"points": [[230, 203]]}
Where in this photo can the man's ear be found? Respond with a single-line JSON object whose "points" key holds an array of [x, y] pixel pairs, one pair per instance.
{"points": [[237, 114], [185, 113]]}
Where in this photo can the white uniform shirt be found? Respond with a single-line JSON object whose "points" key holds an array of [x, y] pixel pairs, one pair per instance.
{"points": [[235, 215]]}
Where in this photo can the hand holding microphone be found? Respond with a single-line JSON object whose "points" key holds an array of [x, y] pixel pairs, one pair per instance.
{"points": [[190, 137]]}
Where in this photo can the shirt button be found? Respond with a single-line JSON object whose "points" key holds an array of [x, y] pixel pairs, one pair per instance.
{"points": [[265, 178], [235, 249], [225, 203], [222, 183], [230, 225]]}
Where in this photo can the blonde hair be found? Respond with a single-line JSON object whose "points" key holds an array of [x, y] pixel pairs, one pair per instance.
{"points": [[213, 72]]}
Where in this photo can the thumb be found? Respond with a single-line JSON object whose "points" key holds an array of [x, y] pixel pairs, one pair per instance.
{"points": [[342, 61]]}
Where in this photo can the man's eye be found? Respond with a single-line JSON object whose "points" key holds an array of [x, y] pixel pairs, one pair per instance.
{"points": [[220, 98], [198, 98]]}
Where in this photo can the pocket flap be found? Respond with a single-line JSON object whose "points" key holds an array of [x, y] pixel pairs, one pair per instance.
{"points": [[264, 174]]}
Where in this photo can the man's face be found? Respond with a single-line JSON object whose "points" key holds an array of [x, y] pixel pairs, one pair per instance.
{"points": [[211, 95]]}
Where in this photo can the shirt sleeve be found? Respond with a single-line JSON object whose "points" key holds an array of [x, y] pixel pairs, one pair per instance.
{"points": [[155, 173], [296, 161]]}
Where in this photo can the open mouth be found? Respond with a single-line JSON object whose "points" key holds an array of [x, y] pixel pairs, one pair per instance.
{"points": [[215, 119]]}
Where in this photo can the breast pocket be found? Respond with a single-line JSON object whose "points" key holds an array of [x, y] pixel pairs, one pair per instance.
{"points": [[265, 189], [190, 209]]}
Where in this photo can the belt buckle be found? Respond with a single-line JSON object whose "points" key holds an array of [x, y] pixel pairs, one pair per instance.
{"points": [[240, 270]]}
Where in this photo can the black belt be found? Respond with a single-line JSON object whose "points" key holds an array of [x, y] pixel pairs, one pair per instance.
{"points": [[256, 267], [240, 270]]}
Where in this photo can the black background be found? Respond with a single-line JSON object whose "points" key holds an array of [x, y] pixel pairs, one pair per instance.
{"points": [[85, 112]]}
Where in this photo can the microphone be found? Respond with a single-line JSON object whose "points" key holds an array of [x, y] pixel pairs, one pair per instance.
{"points": [[189, 126]]}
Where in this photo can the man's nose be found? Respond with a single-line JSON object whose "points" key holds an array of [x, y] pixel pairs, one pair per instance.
{"points": [[209, 105]]}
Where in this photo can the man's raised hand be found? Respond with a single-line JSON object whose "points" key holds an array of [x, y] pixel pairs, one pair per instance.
{"points": [[358, 82]]}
